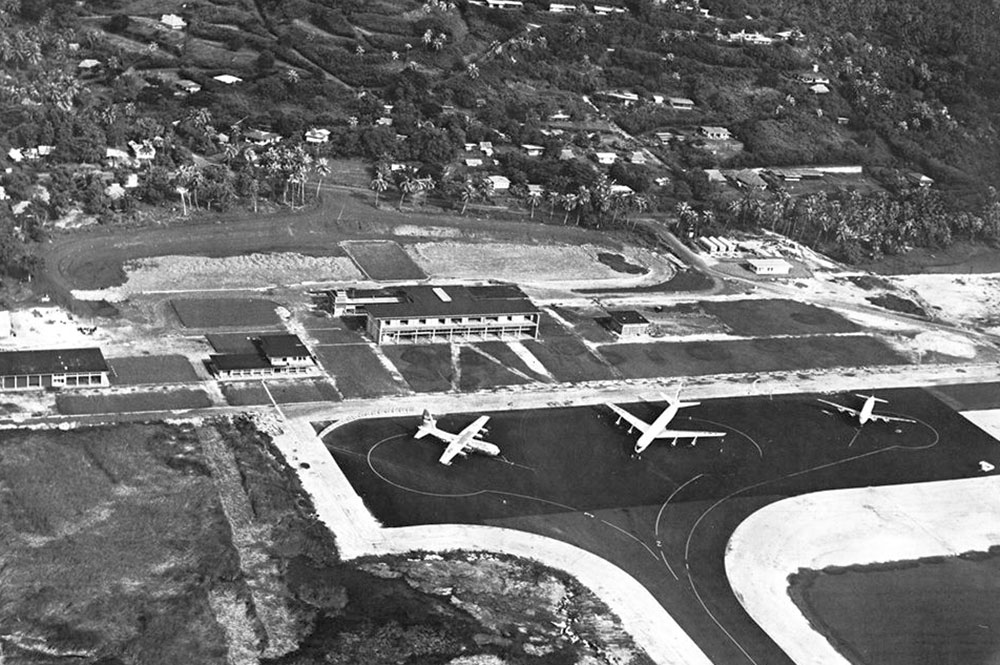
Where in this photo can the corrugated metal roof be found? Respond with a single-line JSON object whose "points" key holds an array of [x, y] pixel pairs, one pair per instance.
{"points": [[54, 361]]}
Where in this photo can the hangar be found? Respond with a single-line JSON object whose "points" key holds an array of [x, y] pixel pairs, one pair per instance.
{"points": [[53, 368], [453, 313]]}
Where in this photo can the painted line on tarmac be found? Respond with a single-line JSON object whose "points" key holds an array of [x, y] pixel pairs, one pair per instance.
{"points": [[656, 527]]}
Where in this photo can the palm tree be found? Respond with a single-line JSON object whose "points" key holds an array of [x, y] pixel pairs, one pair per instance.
{"points": [[183, 192], [533, 197], [553, 198], [569, 203], [322, 169], [583, 199], [378, 184], [468, 194]]}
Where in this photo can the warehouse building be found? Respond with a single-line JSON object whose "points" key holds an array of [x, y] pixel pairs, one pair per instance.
{"points": [[453, 313], [628, 323], [264, 356], [55, 368]]}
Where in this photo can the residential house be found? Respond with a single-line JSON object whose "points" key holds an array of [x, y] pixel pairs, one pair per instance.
{"points": [[567, 153], [260, 137], [316, 135], [535, 190], [559, 116], [473, 162], [504, 4], [715, 133], [747, 178], [628, 323], [186, 87], [144, 152], [819, 89], [45, 150], [842, 120], [605, 10], [15, 155], [469, 147], [813, 78], [637, 157], [88, 64], [744, 37], [606, 157], [680, 103], [919, 179], [500, 183], [173, 21], [621, 189], [486, 147], [533, 150], [131, 181], [117, 156], [114, 191], [715, 176], [559, 8], [383, 122], [3, 194], [665, 137], [624, 96], [228, 79]]}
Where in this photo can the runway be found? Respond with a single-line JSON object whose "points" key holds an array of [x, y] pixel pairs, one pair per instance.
{"points": [[665, 518]]}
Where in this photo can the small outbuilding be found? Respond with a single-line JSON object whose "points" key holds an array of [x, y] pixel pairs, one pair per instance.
{"points": [[769, 266], [628, 323]]}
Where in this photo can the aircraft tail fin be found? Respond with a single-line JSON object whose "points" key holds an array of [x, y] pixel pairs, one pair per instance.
{"points": [[426, 423], [877, 399], [676, 400]]}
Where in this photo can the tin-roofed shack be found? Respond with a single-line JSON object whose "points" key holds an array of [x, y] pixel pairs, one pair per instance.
{"points": [[629, 323]]}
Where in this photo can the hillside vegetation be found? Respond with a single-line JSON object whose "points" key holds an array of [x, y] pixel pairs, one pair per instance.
{"points": [[913, 88]]}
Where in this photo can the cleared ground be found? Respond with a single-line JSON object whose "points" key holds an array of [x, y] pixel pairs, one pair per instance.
{"points": [[161, 400], [568, 474], [226, 312], [777, 317], [357, 370], [383, 260], [426, 367], [139, 370], [283, 391]]}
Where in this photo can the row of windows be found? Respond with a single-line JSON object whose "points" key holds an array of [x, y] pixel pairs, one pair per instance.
{"points": [[266, 371], [464, 320], [45, 380]]}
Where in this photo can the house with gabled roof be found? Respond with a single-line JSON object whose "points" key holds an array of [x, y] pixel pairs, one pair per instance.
{"points": [[173, 21]]}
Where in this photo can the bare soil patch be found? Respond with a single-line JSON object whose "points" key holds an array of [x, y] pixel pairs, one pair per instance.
{"points": [[426, 367], [895, 303], [137, 370], [383, 260], [162, 400], [226, 312], [620, 263]]}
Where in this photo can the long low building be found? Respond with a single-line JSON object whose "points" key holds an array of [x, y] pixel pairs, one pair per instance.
{"points": [[453, 313], [53, 368], [265, 356]]}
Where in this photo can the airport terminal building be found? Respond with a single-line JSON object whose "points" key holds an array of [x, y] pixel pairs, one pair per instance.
{"points": [[264, 356], [53, 368], [443, 314]]}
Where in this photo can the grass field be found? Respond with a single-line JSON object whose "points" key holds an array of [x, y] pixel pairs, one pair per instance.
{"points": [[569, 360], [232, 342], [588, 325], [226, 312], [427, 368], [479, 372], [113, 540], [508, 358], [357, 371], [383, 260], [777, 317], [163, 400], [137, 370], [285, 391], [754, 355]]}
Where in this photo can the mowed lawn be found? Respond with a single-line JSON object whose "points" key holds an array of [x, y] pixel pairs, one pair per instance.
{"points": [[427, 368], [226, 312], [161, 400], [114, 539], [641, 361], [357, 370], [479, 372], [383, 260], [778, 317], [284, 391], [137, 370]]}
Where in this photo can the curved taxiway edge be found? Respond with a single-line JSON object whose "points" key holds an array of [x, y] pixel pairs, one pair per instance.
{"points": [[849, 527], [359, 534]]}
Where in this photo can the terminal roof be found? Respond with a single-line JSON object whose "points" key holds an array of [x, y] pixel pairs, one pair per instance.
{"points": [[52, 361]]}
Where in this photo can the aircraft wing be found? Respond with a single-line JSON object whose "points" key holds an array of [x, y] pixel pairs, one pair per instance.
{"points": [[686, 434], [891, 419], [459, 443], [840, 407], [629, 418]]}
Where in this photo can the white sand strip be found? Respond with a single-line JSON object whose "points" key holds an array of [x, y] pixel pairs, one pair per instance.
{"points": [[858, 526], [529, 359], [988, 421]]}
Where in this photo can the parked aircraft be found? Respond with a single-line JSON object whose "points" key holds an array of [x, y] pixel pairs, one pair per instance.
{"points": [[658, 428], [867, 410], [458, 444]]}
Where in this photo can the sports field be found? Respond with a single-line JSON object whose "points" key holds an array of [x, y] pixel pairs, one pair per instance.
{"points": [[664, 518]]}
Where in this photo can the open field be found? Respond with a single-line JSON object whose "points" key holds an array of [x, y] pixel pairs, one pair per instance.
{"points": [[137, 370], [114, 542], [161, 400], [480, 372], [383, 260], [225, 312], [925, 611], [357, 370], [571, 477], [426, 367], [569, 360], [777, 317], [747, 356]]}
